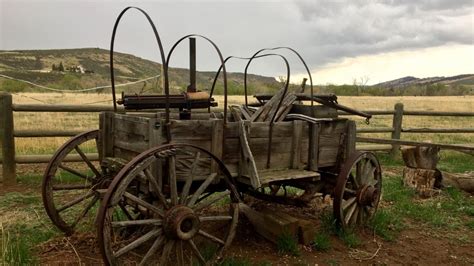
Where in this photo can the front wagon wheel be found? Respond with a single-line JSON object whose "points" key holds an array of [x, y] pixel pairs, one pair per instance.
{"points": [[166, 206], [358, 190], [69, 188]]}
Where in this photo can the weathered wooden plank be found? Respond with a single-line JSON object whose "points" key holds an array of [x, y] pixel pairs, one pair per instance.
{"points": [[248, 163], [138, 146], [350, 139], [106, 134], [327, 156], [272, 175], [296, 145], [135, 125], [313, 146], [320, 111], [216, 142]]}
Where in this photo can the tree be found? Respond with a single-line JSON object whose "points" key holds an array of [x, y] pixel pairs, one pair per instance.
{"points": [[61, 67], [54, 67]]}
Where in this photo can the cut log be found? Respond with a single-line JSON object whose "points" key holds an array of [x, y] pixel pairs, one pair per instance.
{"points": [[420, 157], [426, 182], [463, 181], [270, 225]]}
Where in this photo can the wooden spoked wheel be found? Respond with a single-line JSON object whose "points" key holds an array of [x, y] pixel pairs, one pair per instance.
{"points": [[358, 189], [69, 188], [166, 206]]}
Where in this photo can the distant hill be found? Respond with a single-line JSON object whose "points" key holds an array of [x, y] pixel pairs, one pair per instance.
{"points": [[89, 67], [466, 79]]}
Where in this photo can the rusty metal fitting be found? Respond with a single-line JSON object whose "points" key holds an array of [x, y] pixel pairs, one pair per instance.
{"points": [[180, 222]]}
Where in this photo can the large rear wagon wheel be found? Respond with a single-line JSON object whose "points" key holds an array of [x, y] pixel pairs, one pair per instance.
{"points": [[69, 188], [358, 190], [165, 206]]}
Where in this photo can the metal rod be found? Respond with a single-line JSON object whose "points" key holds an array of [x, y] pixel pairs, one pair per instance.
{"points": [[192, 65]]}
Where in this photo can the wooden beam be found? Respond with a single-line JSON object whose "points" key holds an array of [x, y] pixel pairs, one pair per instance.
{"points": [[30, 159], [217, 142], [61, 108], [47, 133], [458, 147], [397, 127], [7, 140], [438, 130]]}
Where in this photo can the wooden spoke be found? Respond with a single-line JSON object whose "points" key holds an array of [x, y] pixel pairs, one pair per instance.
{"points": [[166, 252], [215, 218], [201, 189], [153, 249], [355, 216], [349, 212], [76, 201], [72, 171], [72, 187], [366, 170], [180, 253], [350, 191], [358, 176], [136, 222], [205, 204], [211, 237], [172, 179], [348, 202], [156, 188], [85, 211], [138, 242], [88, 162], [143, 203], [354, 181], [122, 207], [196, 252], [189, 180]]}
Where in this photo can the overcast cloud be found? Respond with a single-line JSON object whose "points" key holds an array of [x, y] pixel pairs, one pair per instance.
{"points": [[325, 32]]}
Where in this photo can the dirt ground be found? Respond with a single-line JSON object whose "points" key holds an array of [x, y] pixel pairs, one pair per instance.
{"points": [[414, 245]]}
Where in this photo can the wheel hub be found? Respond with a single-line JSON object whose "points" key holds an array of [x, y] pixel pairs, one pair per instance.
{"points": [[180, 222], [368, 196]]}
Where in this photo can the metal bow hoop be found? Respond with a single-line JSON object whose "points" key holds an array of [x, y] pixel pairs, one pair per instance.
{"points": [[162, 54], [279, 48], [222, 66]]}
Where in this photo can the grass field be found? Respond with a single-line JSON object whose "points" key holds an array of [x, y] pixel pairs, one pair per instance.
{"points": [[83, 121]]}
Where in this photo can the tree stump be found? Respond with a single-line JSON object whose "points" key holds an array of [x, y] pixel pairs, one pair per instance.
{"points": [[420, 157], [420, 171], [426, 182]]}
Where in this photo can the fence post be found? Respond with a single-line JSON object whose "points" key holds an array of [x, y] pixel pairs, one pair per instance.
{"points": [[397, 127], [7, 140]]}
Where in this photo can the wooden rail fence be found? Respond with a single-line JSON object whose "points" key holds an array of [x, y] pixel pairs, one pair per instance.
{"points": [[8, 132]]}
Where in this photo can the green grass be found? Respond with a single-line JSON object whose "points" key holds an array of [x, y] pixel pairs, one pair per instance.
{"points": [[23, 227], [288, 244], [322, 241], [386, 224]]}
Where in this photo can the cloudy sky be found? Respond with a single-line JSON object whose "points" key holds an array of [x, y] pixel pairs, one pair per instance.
{"points": [[340, 40]]}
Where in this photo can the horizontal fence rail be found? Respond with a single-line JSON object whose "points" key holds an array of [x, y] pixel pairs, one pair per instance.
{"points": [[8, 134]]}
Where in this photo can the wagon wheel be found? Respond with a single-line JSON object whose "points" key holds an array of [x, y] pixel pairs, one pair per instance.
{"points": [[69, 188], [161, 208], [358, 189]]}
